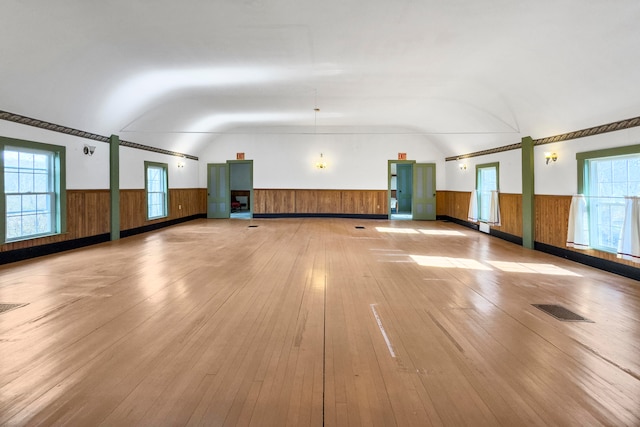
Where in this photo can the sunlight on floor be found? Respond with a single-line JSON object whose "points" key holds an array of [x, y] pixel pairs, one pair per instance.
{"points": [[527, 267], [397, 230], [446, 262]]}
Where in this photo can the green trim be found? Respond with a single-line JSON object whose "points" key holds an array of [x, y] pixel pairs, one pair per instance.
{"points": [[596, 154], [165, 168], [490, 165], [528, 193], [60, 184], [389, 162], [114, 185]]}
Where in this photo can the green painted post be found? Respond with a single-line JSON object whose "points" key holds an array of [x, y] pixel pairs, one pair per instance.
{"points": [[114, 185], [528, 192]]}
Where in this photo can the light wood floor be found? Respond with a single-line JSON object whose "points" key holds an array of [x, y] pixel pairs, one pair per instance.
{"points": [[216, 323]]}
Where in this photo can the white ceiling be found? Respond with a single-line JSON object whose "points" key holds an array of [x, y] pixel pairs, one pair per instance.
{"points": [[469, 75]]}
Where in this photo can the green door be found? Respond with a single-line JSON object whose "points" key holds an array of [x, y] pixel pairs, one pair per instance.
{"points": [[424, 191], [405, 187], [218, 196]]}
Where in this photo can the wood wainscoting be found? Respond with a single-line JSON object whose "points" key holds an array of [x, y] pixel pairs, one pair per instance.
{"points": [[455, 204], [88, 213], [551, 219], [347, 202], [183, 202], [552, 222]]}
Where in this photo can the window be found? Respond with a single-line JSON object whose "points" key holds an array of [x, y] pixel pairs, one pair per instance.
{"points": [[34, 199], [607, 176], [156, 185], [486, 181]]}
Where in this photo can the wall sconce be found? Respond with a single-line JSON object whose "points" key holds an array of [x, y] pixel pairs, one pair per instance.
{"points": [[550, 156], [180, 165], [321, 164], [88, 150], [462, 166]]}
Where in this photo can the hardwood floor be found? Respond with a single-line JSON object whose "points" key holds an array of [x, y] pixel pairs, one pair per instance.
{"points": [[311, 322]]}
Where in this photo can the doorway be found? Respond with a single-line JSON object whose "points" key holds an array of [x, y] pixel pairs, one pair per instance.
{"points": [[401, 189], [241, 188], [412, 190], [230, 189]]}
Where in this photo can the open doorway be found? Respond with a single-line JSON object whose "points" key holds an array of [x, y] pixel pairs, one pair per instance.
{"points": [[241, 188], [401, 189]]}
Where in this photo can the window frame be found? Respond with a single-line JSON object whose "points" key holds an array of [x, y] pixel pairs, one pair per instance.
{"points": [[583, 179], [59, 186], [479, 167], [165, 168]]}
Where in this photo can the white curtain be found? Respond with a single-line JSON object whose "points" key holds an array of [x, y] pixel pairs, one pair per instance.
{"points": [[473, 207], [494, 213], [629, 244], [578, 231]]}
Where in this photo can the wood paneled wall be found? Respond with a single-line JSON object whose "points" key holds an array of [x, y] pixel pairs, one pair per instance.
{"points": [[182, 203], [456, 205], [551, 218], [88, 213], [552, 221], [287, 201]]}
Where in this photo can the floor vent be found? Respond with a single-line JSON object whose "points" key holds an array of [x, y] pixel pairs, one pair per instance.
{"points": [[360, 227], [8, 307], [561, 313], [253, 226]]}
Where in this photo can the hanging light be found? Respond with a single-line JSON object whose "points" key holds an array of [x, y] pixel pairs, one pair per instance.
{"points": [[321, 164]]}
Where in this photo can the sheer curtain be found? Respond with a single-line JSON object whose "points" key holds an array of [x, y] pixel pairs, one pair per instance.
{"points": [[473, 207], [494, 213], [629, 243], [578, 231]]}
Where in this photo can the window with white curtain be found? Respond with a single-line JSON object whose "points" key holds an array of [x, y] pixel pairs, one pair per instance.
{"points": [[607, 181], [487, 180], [33, 201], [157, 190]]}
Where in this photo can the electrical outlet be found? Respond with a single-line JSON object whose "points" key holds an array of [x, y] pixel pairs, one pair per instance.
{"points": [[179, 206]]}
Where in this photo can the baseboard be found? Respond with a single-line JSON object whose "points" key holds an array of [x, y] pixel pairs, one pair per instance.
{"points": [[158, 225], [461, 222], [51, 248], [591, 261], [320, 215], [506, 236]]}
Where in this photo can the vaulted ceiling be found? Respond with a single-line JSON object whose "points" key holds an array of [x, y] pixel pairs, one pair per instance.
{"points": [[468, 75]]}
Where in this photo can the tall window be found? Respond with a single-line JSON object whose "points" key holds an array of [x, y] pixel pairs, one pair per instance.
{"points": [[33, 195], [157, 193], [608, 176], [486, 181]]}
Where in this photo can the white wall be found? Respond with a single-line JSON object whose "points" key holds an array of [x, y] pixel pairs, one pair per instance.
{"points": [[355, 162], [132, 169], [465, 180], [92, 172], [83, 172], [561, 177]]}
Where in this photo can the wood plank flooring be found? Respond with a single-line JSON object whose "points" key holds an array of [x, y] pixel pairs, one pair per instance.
{"points": [[215, 323]]}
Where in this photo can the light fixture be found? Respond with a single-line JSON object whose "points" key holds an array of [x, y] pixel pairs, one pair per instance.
{"points": [[321, 164], [462, 165], [550, 156], [180, 165], [88, 150]]}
